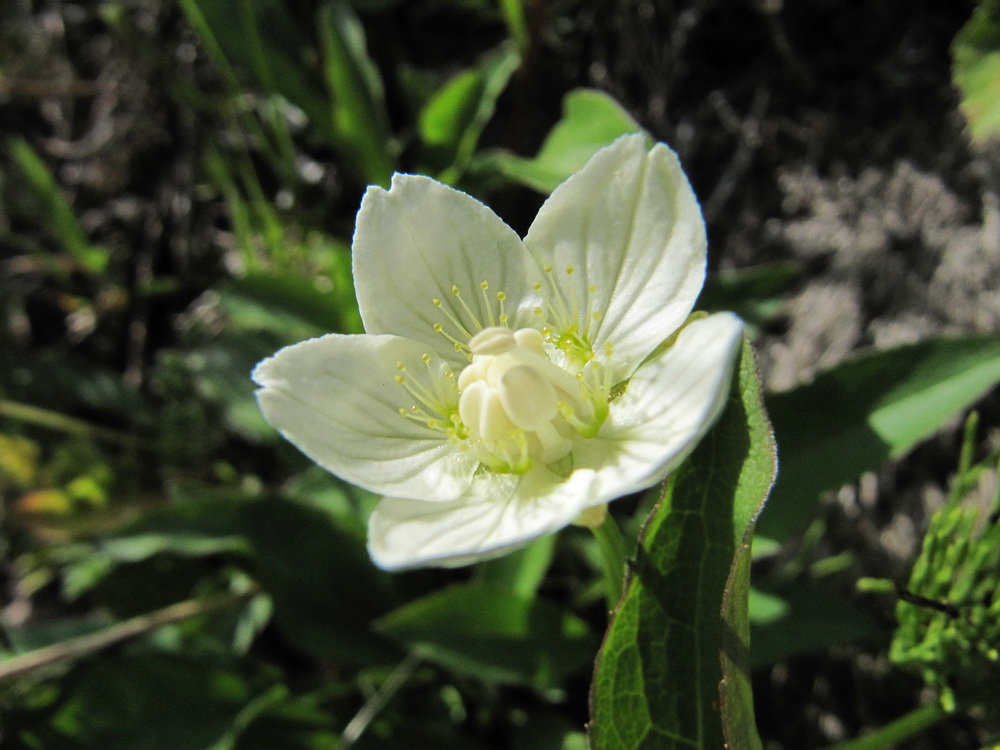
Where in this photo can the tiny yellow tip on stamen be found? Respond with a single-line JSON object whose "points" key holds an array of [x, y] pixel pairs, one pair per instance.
{"points": [[454, 290], [400, 366], [436, 302], [537, 286], [484, 285], [438, 328], [458, 347], [569, 269], [597, 315], [400, 379], [538, 311], [402, 412], [425, 358], [501, 296], [547, 268], [592, 289]]}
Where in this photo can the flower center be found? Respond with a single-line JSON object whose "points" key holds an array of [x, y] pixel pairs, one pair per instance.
{"points": [[518, 405], [526, 394]]}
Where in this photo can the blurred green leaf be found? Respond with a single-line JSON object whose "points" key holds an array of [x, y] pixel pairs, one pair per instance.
{"points": [[325, 589], [452, 121], [851, 419], [360, 120], [755, 294], [261, 38], [494, 634], [799, 618], [677, 648], [976, 69], [591, 120], [59, 215], [523, 570], [142, 700]]}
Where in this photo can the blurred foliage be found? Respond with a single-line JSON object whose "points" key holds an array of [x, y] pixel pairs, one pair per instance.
{"points": [[976, 69], [144, 275]]}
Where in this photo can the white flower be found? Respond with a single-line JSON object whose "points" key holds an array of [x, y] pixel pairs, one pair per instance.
{"points": [[503, 386]]}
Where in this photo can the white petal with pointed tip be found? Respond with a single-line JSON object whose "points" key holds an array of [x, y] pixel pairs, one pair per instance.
{"points": [[335, 398], [629, 224], [415, 241]]}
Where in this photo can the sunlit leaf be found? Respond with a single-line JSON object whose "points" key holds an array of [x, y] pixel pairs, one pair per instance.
{"points": [[591, 120], [854, 417], [976, 69], [452, 121], [673, 671]]}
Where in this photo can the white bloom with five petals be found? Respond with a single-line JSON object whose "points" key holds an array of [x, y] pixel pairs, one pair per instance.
{"points": [[504, 387]]}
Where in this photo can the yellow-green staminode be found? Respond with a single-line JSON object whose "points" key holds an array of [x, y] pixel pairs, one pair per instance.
{"points": [[504, 386]]}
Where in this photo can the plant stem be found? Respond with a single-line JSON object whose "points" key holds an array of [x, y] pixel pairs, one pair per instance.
{"points": [[378, 701], [84, 645], [55, 421], [609, 539], [906, 726]]}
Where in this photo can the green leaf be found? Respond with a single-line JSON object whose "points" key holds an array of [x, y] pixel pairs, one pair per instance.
{"points": [[802, 618], [851, 419], [494, 634], [673, 669], [755, 294], [591, 120], [325, 589], [134, 701], [259, 36], [60, 217], [976, 69], [523, 570], [360, 119], [452, 121]]}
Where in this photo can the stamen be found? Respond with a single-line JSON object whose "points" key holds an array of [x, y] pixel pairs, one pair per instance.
{"points": [[451, 316], [435, 404], [489, 309], [501, 298], [468, 310]]}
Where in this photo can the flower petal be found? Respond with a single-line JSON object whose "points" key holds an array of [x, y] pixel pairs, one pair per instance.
{"points": [[630, 227], [498, 513], [669, 405], [336, 398], [418, 240]]}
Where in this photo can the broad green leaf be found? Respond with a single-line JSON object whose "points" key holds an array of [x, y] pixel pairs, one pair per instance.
{"points": [[360, 120], [591, 120], [325, 589], [851, 419], [673, 669], [452, 121], [494, 634], [976, 69], [60, 217]]}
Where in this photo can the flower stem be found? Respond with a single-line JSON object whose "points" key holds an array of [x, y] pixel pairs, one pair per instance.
{"points": [[609, 539]]}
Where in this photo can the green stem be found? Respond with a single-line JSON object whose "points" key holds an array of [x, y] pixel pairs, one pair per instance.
{"points": [[906, 726], [609, 539], [85, 645], [55, 421]]}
